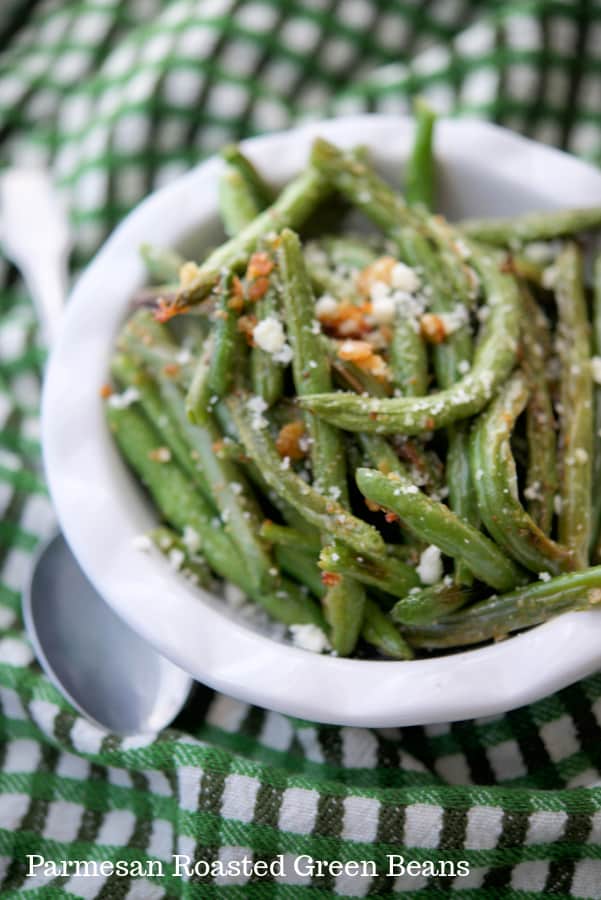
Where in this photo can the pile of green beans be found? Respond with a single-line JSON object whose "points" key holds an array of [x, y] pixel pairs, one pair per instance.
{"points": [[391, 438]]}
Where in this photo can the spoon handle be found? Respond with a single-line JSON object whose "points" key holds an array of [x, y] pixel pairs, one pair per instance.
{"points": [[46, 279]]}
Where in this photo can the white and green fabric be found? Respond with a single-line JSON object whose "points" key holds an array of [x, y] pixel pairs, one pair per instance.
{"points": [[117, 98]]}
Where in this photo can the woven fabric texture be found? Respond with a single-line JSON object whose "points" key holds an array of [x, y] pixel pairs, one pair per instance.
{"points": [[118, 98]]}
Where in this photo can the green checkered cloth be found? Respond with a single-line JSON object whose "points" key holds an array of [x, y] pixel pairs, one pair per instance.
{"points": [[119, 98]]}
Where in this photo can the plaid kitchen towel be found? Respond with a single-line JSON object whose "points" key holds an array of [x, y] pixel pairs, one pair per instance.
{"points": [[118, 98]]}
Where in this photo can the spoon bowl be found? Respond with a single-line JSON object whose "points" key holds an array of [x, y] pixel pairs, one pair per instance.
{"points": [[102, 667]]}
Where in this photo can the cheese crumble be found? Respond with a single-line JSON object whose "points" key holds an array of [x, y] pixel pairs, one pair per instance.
{"points": [[257, 406], [430, 568], [404, 278], [269, 335], [122, 401], [309, 637]]}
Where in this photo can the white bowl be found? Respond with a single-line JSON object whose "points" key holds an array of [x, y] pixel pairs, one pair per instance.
{"points": [[484, 170]]}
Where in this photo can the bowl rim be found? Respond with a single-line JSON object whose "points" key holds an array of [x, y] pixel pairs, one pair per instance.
{"points": [[90, 484]]}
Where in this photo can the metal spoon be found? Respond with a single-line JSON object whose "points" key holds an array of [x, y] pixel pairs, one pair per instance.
{"points": [[102, 667]]}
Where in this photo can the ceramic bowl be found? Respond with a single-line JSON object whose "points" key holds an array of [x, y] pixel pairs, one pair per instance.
{"points": [[484, 170]]}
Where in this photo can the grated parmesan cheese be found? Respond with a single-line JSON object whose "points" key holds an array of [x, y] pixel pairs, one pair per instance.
{"points": [[430, 568], [383, 308], [404, 278], [122, 401], [309, 637], [191, 539], [325, 306], [269, 335], [257, 406]]}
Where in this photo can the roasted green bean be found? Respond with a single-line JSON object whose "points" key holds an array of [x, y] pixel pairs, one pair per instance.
{"points": [[434, 522], [344, 610], [535, 226], [426, 605], [237, 203], [541, 477], [318, 509], [290, 209], [576, 422], [499, 615], [494, 474], [419, 173]]}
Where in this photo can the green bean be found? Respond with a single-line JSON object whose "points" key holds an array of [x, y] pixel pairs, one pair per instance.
{"points": [[438, 274], [285, 536], [449, 357], [297, 200], [237, 204], [494, 472], [498, 616], [170, 489], [198, 396], [287, 511], [362, 186], [494, 359], [419, 173], [533, 226], [192, 566], [408, 357], [576, 426], [311, 372], [596, 475], [301, 566], [422, 607], [125, 369], [344, 608], [163, 265], [384, 458], [379, 631], [436, 523], [385, 572], [243, 195], [183, 508], [310, 366], [462, 492], [541, 476], [229, 489], [146, 339], [455, 257], [227, 349], [262, 192], [266, 373], [323, 512]]}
